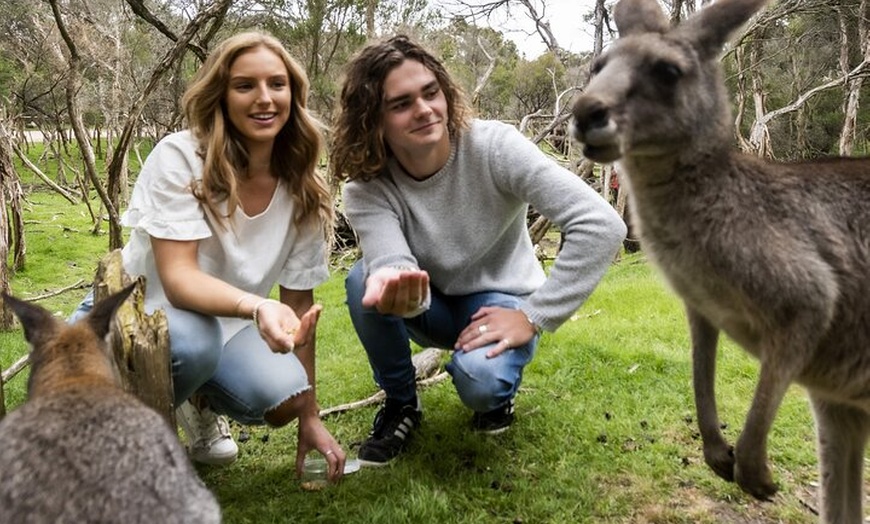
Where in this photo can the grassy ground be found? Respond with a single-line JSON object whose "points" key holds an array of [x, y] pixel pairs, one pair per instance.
{"points": [[605, 430], [605, 433]]}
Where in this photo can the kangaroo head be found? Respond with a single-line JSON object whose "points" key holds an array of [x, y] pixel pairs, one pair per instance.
{"points": [[59, 350], [657, 90]]}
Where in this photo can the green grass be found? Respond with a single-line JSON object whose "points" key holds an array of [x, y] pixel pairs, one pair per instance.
{"points": [[605, 428]]}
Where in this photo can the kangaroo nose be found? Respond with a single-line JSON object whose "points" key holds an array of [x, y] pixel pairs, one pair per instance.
{"points": [[590, 113]]}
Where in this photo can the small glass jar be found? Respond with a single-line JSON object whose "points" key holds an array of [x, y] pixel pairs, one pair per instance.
{"points": [[315, 472]]}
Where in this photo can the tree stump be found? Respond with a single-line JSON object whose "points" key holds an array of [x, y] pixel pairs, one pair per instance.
{"points": [[140, 341]]}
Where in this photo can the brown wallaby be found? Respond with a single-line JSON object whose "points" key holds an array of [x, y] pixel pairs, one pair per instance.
{"points": [[81, 449], [776, 255]]}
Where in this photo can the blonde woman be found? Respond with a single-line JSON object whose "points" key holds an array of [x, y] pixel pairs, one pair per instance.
{"points": [[220, 214]]}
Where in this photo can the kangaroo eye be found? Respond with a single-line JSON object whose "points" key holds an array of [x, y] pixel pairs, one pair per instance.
{"points": [[597, 66], [666, 72]]}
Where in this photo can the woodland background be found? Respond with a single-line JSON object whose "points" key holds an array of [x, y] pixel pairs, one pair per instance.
{"points": [[104, 77], [98, 82]]}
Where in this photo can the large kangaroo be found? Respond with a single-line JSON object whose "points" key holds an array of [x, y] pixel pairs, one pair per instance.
{"points": [[775, 255], [81, 449]]}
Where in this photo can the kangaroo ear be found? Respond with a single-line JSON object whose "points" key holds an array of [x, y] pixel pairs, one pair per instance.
{"points": [[639, 16], [37, 322], [711, 27], [101, 316]]}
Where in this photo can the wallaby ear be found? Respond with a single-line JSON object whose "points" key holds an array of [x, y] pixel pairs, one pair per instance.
{"points": [[37, 322], [710, 28], [639, 16], [101, 316]]}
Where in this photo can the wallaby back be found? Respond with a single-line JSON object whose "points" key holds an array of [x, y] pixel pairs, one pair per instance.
{"points": [[81, 449], [776, 255]]}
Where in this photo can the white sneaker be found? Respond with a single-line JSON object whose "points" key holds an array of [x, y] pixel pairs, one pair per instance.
{"points": [[208, 435]]}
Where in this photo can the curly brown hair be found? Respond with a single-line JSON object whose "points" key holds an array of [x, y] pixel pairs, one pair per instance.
{"points": [[297, 147], [357, 147]]}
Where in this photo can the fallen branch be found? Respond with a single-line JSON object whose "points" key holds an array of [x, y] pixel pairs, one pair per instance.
{"points": [[426, 363], [78, 285], [379, 397], [38, 172], [14, 369]]}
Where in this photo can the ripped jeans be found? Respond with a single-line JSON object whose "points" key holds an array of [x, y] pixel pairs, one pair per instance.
{"points": [[242, 379], [483, 383]]}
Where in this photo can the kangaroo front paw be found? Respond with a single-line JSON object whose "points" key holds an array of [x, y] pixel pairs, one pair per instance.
{"points": [[720, 458], [756, 480]]}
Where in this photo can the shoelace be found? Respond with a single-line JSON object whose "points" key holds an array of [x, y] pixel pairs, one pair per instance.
{"points": [[211, 426]]}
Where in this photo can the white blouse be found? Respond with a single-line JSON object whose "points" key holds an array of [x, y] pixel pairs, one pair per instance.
{"points": [[251, 253]]}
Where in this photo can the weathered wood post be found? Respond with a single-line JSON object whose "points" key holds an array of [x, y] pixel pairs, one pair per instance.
{"points": [[140, 341]]}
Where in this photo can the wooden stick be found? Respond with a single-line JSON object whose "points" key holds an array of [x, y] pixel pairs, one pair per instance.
{"points": [[15, 368], [379, 397], [77, 285], [426, 363]]}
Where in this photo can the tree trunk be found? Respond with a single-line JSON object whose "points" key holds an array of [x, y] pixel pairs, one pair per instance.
{"points": [[631, 242], [676, 12], [371, 7], [140, 341], [759, 138], [7, 173], [600, 15], [852, 93], [75, 119], [14, 195], [740, 99]]}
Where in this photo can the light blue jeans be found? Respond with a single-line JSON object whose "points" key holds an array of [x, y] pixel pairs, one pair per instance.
{"points": [[483, 383], [242, 379]]}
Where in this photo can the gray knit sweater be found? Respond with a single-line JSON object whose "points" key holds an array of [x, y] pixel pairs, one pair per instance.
{"points": [[466, 224]]}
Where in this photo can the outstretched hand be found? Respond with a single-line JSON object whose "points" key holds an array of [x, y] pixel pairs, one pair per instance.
{"points": [[400, 292], [283, 331]]}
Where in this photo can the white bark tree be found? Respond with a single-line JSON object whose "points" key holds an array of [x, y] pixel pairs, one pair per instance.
{"points": [[853, 84]]}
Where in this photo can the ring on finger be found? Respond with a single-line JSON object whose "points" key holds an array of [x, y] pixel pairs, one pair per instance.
{"points": [[482, 329]]}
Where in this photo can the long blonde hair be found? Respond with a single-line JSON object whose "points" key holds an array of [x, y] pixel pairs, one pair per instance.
{"points": [[297, 147]]}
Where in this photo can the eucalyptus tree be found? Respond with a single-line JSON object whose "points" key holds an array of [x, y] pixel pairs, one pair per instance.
{"points": [[798, 59], [11, 223], [323, 34], [854, 42], [32, 87]]}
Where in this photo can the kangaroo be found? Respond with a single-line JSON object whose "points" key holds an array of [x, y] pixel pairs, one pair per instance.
{"points": [[775, 255], [81, 449]]}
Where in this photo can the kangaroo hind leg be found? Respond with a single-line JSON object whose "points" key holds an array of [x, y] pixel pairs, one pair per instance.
{"points": [[784, 352], [841, 433]]}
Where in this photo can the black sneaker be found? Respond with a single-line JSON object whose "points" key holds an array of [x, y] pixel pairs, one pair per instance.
{"points": [[495, 421], [394, 424]]}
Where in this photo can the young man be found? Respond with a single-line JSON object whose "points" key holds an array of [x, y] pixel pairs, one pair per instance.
{"points": [[439, 202]]}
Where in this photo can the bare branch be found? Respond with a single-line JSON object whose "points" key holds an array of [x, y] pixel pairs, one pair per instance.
{"points": [[862, 70], [138, 7], [42, 176]]}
